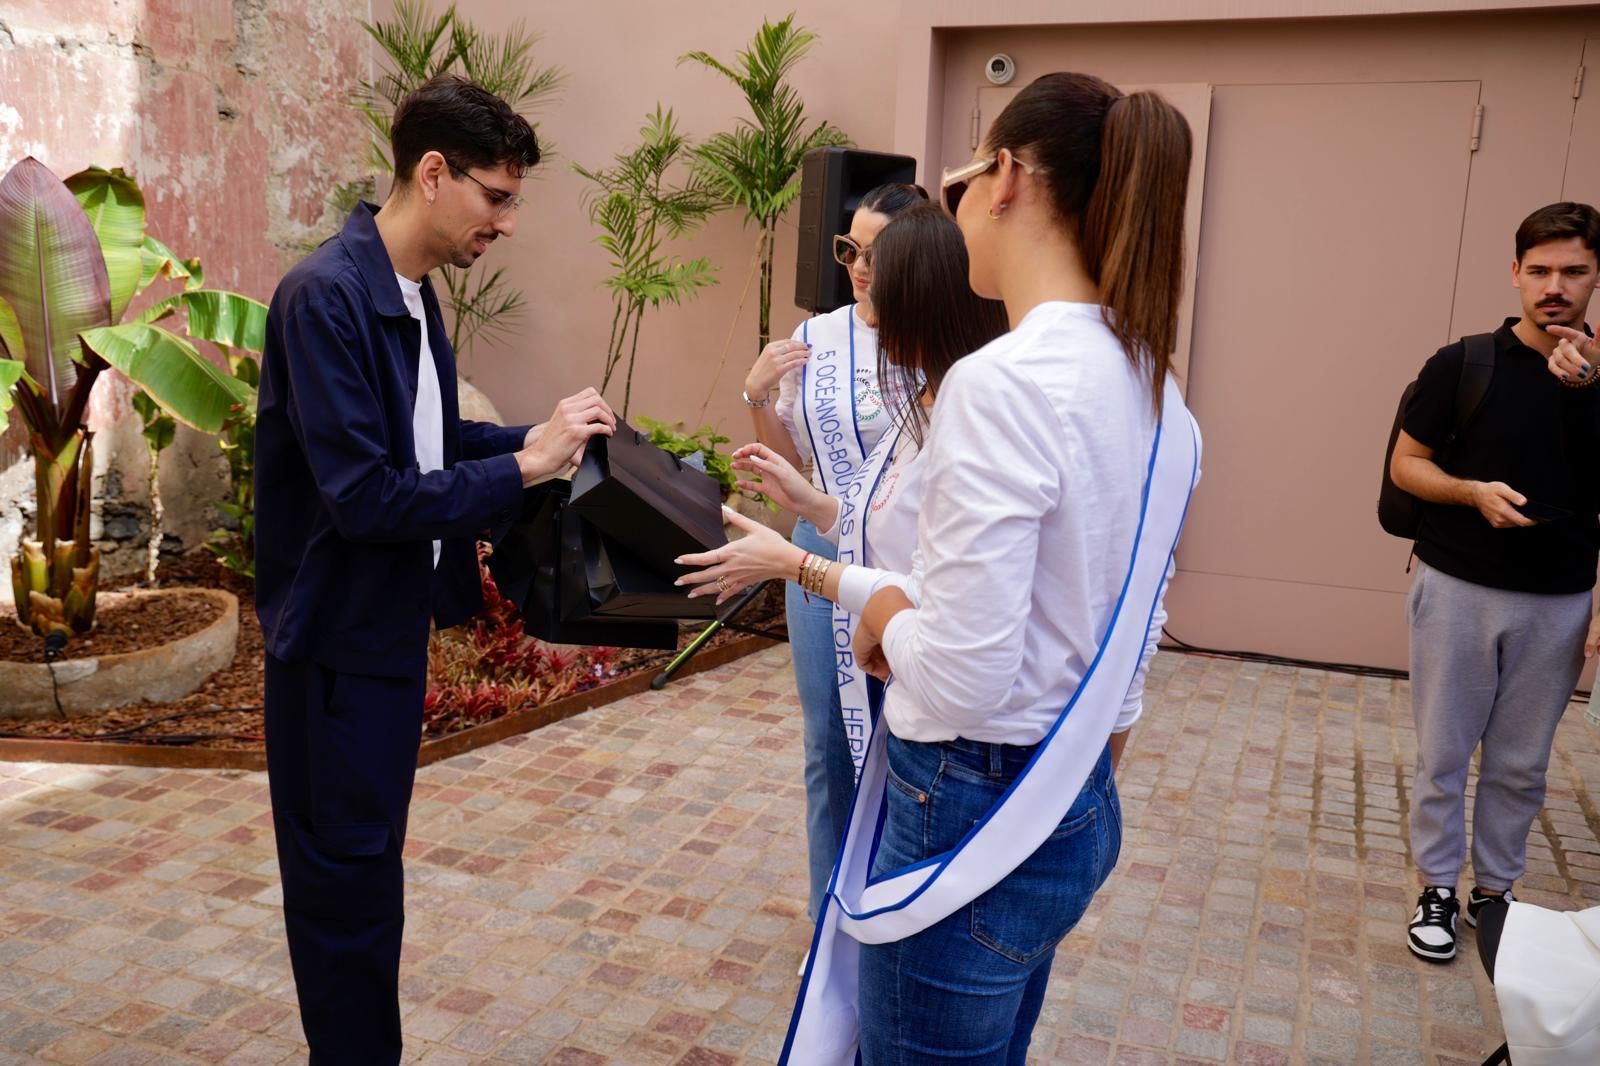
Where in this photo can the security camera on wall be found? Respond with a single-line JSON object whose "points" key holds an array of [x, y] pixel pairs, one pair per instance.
{"points": [[1000, 69]]}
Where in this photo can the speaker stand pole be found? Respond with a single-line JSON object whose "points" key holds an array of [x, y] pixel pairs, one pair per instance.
{"points": [[746, 598]]}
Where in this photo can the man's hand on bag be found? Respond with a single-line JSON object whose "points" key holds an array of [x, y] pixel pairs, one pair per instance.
{"points": [[1498, 503], [775, 360], [559, 442], [1573, 359], [533, 435]]}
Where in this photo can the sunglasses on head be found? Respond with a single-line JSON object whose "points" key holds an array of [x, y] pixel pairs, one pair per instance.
{"points": [[846, 251], [953, 186]]}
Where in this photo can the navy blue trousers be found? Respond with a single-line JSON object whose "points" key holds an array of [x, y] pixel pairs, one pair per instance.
{"points": [[341, 759]]}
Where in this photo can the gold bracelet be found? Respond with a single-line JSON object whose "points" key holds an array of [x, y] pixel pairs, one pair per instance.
{"points": [[819, 575], [808, 579]]}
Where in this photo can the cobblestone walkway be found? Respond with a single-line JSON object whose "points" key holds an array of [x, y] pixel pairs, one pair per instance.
{"points": [[627, 887]]}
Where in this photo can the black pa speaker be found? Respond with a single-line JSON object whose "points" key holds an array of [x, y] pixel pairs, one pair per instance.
{"points": [[832, 183]]}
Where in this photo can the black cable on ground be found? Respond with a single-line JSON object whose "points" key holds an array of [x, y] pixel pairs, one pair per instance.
{"points": [[1174, 644], [54, 644]]}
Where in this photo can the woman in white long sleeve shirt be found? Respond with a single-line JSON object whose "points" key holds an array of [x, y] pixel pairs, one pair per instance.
{"points": [[1045, 471], [929, 318], [820, 384], [969, 771]]}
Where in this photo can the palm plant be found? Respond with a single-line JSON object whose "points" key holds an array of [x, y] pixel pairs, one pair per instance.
{"points": [[756, 165], [73, 255], [637, 211], [420, 45]]}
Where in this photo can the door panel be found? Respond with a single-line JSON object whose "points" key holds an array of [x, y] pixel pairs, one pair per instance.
{"points": [[1326, 277]]}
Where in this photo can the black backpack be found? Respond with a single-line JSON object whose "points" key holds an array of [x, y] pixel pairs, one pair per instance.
{"points": [[1399, 512]]}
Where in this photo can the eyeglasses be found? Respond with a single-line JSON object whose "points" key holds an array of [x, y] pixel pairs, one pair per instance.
{"points": [[953, 186], [846, 251], [503, 202]]}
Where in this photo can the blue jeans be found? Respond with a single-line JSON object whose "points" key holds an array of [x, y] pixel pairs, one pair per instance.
{"points": [[830, 774], [969, 989]]}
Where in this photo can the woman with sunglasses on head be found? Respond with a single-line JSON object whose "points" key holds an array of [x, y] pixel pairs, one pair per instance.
{"points": [[1057, 474], [928, 318], [829, 397]]}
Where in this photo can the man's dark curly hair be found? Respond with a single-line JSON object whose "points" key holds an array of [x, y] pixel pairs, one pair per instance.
{"points": [[464, 122]]}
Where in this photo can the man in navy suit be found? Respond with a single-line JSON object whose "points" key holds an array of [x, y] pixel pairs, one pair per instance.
{"points": [[370, 490]]}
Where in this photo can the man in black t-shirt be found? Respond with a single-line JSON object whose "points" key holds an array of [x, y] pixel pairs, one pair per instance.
{"points": [[1500, 610]]}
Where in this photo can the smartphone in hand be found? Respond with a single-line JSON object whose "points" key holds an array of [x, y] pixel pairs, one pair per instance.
{"points": [[1543, 512]]}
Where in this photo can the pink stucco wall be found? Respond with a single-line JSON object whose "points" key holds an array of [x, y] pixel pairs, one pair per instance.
{"points": [[232, 116]]}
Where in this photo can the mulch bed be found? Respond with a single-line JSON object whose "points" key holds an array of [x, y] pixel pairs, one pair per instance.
{"points": [[120, 626], [225, 712]]}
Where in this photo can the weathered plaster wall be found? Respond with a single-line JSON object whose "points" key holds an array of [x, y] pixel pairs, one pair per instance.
{"points": [[233, 117]]}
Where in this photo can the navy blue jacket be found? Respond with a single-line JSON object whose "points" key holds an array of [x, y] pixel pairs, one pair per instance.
{"points": [[345, 518]]}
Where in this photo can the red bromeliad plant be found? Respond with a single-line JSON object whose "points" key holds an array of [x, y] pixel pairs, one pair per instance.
{"points": [[490, 667]]}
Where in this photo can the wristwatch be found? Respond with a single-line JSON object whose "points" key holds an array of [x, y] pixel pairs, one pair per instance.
{"points": [[765, 401]]}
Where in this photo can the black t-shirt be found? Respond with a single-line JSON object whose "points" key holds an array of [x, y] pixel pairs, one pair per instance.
{"points": [[1536, 435]]}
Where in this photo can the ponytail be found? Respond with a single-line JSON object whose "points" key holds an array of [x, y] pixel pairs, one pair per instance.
{"points": [[1117, 170], [1132, 229]]}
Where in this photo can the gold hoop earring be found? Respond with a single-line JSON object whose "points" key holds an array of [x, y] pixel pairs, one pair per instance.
{"points": [[996, 214]]}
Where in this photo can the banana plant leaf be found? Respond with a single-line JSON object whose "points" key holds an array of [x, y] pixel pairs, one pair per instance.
{"points": [[115, 207], [52, 273], [225, 318], [174, 374], [11, 346], [157, 260], [11, 372]]}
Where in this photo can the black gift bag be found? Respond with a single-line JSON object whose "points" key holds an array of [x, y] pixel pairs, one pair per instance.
{"points": [[603, 580], [648, 501], [533, 571]]}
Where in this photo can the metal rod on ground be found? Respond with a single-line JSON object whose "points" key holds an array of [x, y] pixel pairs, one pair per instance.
{"points": [[660, 681]]}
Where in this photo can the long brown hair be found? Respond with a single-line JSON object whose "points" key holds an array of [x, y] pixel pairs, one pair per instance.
{"points": [[1117, 167], [928, 315]]}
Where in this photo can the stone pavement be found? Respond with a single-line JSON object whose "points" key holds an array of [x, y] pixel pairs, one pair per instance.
{"points": [[626, 887]]}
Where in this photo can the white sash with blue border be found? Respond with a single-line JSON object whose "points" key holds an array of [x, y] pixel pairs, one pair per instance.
{"points": [[824, 1028], [828, 403]]}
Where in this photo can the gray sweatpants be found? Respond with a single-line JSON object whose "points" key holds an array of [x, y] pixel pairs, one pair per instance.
{"points": [[1497, 667]]}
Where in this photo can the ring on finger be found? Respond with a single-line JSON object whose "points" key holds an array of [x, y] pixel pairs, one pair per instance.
{"points": [[722, 584]]}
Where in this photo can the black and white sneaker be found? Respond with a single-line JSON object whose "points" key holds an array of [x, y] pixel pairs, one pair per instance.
{"points": [[1432, 934], [1476, 901]]}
